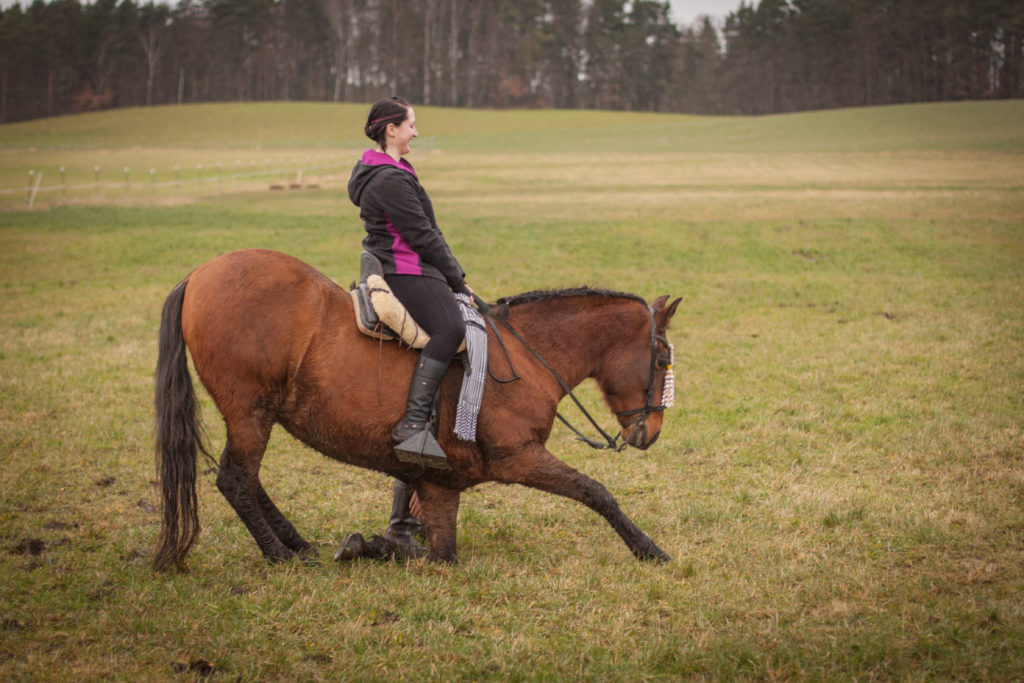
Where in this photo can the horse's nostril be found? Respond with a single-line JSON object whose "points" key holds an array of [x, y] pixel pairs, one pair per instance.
{"points": [[638, 436]]}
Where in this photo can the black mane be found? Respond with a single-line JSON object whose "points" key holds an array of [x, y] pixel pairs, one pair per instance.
{"points": [[545, 294]]}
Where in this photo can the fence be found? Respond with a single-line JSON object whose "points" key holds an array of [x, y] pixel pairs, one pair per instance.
{"points": [[217, 177]]}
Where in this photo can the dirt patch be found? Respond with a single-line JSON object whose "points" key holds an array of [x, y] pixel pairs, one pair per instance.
{"points": [[11, 625], [199, 667], [29, 547]]}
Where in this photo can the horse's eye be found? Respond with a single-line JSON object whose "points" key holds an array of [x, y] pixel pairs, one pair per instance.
{"points": [[663, 362]]}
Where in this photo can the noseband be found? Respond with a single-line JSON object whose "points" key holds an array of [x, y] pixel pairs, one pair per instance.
{"points": [[611, 442]]}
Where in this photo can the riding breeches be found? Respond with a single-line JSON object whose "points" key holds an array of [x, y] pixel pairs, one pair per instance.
{"points": [[432, 304]]}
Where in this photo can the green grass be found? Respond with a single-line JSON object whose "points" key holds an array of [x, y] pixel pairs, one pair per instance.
{"points": [[839, 483]]}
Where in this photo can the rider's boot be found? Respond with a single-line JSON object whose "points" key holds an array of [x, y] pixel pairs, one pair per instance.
{"points": [[415, 442], [402, 527]]}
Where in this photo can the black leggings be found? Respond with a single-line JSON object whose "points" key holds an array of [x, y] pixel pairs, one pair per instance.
{"points": [[432, 304]]}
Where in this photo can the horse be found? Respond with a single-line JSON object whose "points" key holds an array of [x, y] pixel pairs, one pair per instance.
{"points": [[274, 341]]}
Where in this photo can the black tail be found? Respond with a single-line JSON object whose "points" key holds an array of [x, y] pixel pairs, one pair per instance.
{"points": [[178, 439]]}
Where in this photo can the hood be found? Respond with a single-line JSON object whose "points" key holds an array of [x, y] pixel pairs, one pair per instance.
{"points": [[371, 163]]}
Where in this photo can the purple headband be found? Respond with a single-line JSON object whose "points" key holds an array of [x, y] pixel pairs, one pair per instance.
{"points": [[387, 118]]}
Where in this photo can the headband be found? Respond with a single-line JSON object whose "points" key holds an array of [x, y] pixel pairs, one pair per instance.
{"points": [[388, 118]]}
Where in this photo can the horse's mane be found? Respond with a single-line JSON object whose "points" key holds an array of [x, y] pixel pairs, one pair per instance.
{"points": [[505, 302]]}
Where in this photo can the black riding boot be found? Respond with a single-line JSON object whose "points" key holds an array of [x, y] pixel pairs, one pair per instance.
{"points": [[415, 442], [402, 527]]}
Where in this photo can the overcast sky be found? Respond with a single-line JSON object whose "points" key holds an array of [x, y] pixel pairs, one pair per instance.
{"points": [[685, 12]]}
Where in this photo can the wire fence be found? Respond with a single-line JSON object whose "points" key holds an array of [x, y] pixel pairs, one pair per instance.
{"points": [[127, 181]]}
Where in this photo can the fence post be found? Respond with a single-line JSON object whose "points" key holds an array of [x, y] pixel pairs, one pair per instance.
{"points": [[152, 179], [35, 188], [28, 190], [127, 171], [63, 186]]}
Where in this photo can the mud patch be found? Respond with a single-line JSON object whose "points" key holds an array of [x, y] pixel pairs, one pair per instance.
{"points": [[199, 667], [29, 547], [11, 625]]}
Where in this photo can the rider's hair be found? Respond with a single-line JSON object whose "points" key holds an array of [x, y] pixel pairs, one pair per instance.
{"points": [[390, 110]]}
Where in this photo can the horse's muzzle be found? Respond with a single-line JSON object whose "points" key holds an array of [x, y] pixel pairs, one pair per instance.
{"points": [[637, 436]]}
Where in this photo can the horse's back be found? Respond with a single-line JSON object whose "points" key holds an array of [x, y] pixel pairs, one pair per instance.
{"points": [[253, 313]]}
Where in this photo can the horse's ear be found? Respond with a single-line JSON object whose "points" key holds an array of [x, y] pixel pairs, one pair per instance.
{"points": [[663, 314]]}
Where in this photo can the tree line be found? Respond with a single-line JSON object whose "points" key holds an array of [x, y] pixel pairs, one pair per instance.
{"points": [[770, 56]]}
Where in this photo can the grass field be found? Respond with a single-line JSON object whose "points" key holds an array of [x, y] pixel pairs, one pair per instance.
{"points": [[841, 482]]}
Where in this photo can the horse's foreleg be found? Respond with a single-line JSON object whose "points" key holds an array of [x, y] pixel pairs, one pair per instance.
{"points": [[542, 470], [440, 515]]}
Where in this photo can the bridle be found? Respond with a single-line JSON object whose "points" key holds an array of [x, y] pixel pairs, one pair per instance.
{"points": [[611, 442], [666, 399]]}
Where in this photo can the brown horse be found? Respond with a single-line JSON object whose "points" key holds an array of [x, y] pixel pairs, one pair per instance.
{"points": [[274, 341]]}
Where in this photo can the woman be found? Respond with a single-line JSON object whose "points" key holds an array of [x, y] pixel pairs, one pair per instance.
{"points": [[402, 233]]}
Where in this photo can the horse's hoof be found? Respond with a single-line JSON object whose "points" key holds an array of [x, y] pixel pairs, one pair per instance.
{"points": [[405, 546], [658, 556], [353, 547]]}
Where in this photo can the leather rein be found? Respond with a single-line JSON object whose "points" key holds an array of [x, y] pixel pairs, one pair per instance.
{"points": [[611, 443]]}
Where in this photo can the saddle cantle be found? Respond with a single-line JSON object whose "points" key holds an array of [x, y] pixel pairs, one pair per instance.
{"points": [[379, 313]]}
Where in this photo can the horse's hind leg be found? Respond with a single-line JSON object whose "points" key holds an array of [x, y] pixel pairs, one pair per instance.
{"points": [[238, 479], [539, 469], [280, 525]]}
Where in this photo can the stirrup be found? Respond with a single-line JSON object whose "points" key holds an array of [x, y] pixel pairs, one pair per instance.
{"points": [[422, 449]]}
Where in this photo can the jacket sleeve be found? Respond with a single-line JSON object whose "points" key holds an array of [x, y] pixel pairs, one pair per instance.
{"points": [[404, 210]]}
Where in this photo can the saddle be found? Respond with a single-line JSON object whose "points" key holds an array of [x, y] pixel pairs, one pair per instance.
{"points": [[379, 314]]}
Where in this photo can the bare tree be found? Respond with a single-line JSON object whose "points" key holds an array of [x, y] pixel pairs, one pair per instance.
{"points": [[152, 36]]}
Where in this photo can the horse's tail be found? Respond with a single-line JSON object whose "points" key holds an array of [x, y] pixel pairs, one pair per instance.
{"points": [[178, 439]]}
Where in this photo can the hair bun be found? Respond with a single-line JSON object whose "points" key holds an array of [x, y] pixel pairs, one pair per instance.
{"points": [[384, 112]]}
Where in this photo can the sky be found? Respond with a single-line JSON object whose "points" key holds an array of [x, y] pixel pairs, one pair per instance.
{"points": [[685, 12]]}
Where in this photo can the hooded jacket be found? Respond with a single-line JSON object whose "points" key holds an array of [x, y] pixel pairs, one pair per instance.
{"points": [[401, 230]]}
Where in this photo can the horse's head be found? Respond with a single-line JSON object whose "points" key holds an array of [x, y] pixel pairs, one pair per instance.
{"points": [[637, 379]]}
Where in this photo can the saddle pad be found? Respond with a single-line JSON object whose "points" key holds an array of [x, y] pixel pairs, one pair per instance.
{"points": [[392, 314]]}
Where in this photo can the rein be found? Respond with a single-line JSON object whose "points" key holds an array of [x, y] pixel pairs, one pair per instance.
{"points": [[611, 443]]}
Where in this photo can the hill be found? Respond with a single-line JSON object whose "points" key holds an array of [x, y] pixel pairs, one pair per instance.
{"points": [[977, 126]]}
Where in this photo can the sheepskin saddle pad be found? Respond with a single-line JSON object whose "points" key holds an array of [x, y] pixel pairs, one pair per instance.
{"points": [[379, 313]]}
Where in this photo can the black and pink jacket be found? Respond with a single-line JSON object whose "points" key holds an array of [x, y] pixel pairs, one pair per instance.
{"points": [[401, 230]]}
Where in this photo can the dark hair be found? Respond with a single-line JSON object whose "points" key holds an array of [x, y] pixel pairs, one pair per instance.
{"points": [[391, 110]]}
